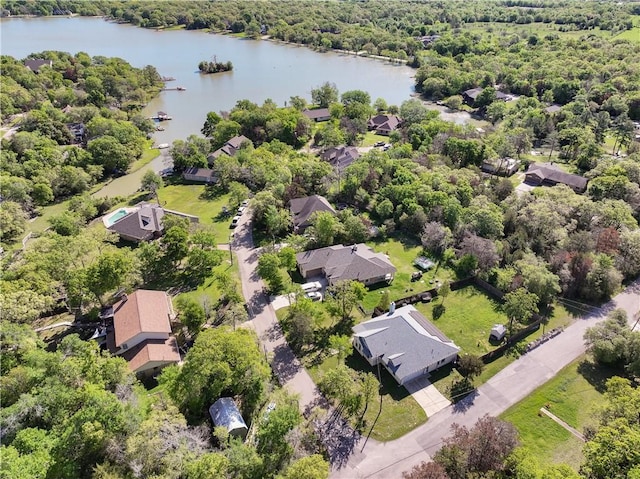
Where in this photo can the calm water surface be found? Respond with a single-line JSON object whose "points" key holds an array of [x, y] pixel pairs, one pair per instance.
{"points": [[262, 70]]}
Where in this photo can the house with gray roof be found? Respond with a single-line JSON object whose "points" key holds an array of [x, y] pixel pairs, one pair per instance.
{"points": [[143, 224], [340, 156], [317, 114], [34, 64], [384, 124], [548, 174], [405, 343], [230, 148], [340, 263], [225, 413], [302, 209], [199, 175]]}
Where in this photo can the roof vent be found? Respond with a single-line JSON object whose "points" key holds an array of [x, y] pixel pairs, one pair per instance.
{"points": [[392, 307]]}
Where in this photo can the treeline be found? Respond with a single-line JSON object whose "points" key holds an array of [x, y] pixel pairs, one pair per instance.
{"points": [[388, 26], [214, 67], [78, 121]]}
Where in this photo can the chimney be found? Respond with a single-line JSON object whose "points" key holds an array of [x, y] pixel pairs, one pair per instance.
{"points": [[354, 248], [392, 307]]}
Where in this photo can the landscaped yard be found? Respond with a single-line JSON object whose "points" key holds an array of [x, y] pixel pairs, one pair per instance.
{"points": [[192, 199], [572, 395], [400, 413], [209, 290], [402, 253]]}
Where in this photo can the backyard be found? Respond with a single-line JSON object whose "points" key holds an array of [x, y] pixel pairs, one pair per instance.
{"points": [[573, 395], [194, 200], [402, 253]]}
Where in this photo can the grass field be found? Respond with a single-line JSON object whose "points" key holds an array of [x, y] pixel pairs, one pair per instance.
{"points": [[572, 395], [468, 318], [402, 253], [193, 200]]}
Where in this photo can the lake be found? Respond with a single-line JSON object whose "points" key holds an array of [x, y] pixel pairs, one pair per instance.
{"points": [[261, 69]]}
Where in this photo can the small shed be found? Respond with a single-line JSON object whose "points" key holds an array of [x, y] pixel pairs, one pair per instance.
{"points": [[498, 332], [224, 412]]}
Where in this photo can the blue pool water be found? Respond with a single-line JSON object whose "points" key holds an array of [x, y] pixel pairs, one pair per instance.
{"points": [[117, 215]]}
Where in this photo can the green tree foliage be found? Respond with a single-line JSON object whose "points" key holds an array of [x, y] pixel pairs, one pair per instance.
{"points": [[272, 443], [191, 314], [310, 467], [342, 297], [611, 452], [221, 360], [269, 269], [324, 95], [520, 305], [479, 450]]}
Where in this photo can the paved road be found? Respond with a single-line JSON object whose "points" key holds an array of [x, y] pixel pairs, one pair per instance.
{"points": [[263, 320], [513, 383]]}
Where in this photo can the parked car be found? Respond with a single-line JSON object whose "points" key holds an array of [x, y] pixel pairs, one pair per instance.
{"points": [[245, 203], [315, 295], [379, 143], [312, 286], [235, 221], [241, 210]]}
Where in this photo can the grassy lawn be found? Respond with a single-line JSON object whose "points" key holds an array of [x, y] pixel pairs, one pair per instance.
{"points": [[147, 155], [400, 412], [572, 395], [371, 138], [193, 200], [467, 321], [468, 318], [402, 253], [209, 290]]}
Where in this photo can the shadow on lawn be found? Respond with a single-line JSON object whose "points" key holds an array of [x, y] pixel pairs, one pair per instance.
{"points": [[597, 374], [389, 385]]}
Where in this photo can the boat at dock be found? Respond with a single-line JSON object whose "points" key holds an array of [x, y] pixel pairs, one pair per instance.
{"points": [[162, 146]]}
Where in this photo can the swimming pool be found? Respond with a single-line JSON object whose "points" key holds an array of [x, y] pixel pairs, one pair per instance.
{"points": [[113, 217]]}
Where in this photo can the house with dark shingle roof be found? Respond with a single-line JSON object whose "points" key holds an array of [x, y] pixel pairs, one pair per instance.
{"points": [[302, 209], [384, 124], [339, 263], [317, 114], [470, 96], [340, 156], [141, 331], [200, 175], [35, 64], [143, 224], [405, 343], [230, 148], [548, 174]]}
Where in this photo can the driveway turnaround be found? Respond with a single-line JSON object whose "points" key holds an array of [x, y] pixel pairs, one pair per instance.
{"points": [[513, 383]]}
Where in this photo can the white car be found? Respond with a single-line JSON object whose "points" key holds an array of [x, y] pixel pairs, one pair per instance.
{"points": [[241, 210], [311, 287], [245, 203], [315, 296], [235, 221]]}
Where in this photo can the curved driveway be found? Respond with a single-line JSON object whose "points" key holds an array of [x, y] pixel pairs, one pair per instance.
{"points": [[513, 383]]}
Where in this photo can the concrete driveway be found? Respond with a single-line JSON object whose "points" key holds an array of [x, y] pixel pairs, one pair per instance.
{"points": [[427, 395]]}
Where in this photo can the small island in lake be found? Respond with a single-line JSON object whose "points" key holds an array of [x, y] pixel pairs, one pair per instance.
{"points": [[214, 66]]}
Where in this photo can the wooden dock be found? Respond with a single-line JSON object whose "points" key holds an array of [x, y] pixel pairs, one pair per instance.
{"points": [[178, 88]]}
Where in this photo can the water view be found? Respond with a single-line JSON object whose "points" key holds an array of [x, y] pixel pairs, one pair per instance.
{"points": [[262, 69]]}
